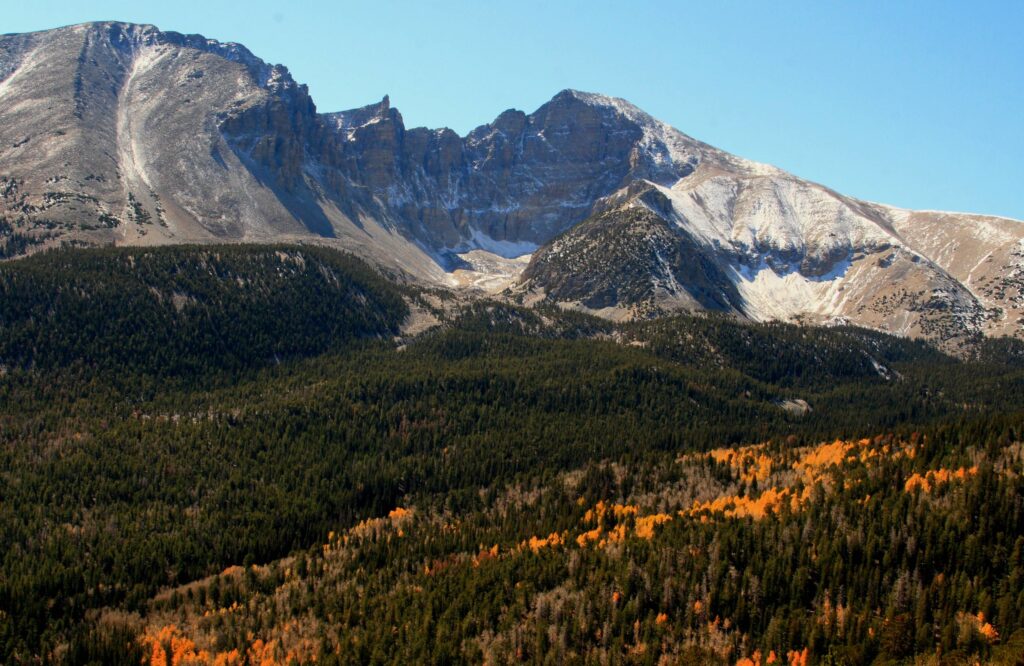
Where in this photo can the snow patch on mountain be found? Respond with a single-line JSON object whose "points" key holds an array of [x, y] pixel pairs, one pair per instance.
{"points": [[784, 295], [502, 248], [486, 271]]}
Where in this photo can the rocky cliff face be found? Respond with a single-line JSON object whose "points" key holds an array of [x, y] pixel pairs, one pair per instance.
{"points": [[122, 133], [117, 133], [519, 180], [112, 131]]}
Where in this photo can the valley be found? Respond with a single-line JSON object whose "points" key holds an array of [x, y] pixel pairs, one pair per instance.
{"points": [[448, 496]]}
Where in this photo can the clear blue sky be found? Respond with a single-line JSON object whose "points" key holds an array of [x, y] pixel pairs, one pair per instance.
{"points": [[918, 104]]}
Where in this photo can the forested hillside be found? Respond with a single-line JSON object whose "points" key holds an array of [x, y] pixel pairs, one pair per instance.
{"points": [[844, 552], [225, 454], [171, 311]]}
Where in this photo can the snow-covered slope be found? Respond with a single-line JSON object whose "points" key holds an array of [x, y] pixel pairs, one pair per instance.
{"points": [[776, 248]]}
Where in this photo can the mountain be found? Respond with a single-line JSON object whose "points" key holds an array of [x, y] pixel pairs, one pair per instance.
{"points": [[260, 431], [124, 134], [770, 246], [116, 133]]}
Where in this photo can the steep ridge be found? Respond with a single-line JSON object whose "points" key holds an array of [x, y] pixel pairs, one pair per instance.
{"points": [[775, 247], [984, 254], [632, 256], [114, 133]]}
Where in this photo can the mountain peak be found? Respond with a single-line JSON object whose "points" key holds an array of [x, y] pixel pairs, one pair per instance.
{"points": [[352, 119], [619, 105], [131, 38]]}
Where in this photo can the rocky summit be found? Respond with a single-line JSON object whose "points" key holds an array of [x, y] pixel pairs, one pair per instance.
{"points": [[114, 133]]}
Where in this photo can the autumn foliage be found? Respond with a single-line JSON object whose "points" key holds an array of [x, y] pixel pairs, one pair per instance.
{"points": [[936, 477]]}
